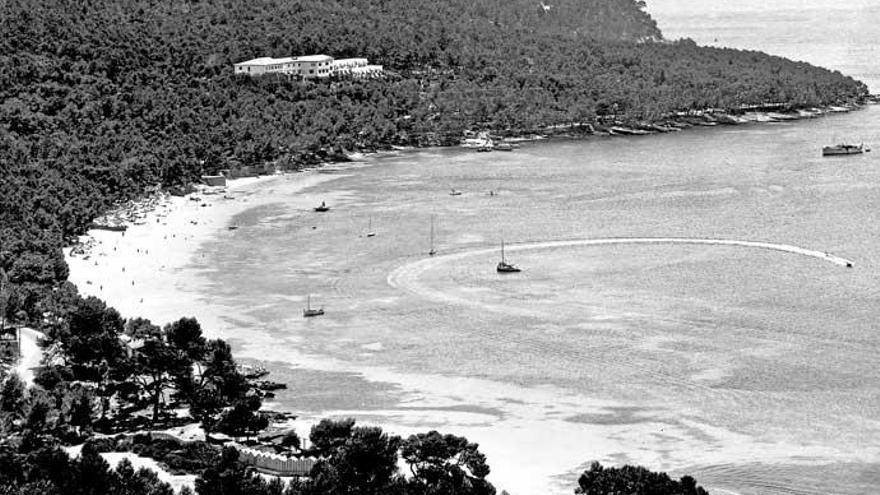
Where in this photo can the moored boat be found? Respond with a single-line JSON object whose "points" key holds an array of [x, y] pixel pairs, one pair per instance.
{"points": [[309, 312], [504, 266], [323, 207], [843, 149], [432, 251]]}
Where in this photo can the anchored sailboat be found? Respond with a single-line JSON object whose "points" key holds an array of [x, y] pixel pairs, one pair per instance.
{"points": [[504, 266], [308, 311], [432, 251], [370, 232]]}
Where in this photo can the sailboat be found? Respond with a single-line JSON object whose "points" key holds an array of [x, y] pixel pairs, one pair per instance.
{"points": [[322, 208], [504, 266], [370, 232], [309, 312], [432, 251]]}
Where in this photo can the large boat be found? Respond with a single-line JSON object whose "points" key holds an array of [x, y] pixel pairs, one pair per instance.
{"points": [[843, 149], [309, 312], [504, 266]]}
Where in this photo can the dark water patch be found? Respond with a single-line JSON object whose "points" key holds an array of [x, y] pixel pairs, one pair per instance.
{"points": [[613, 416], [313, 391], [775, 375], [787, 479], [463, 408]]}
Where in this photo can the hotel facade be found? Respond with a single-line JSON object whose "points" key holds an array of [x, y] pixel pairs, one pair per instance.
{"points": [[309, 67]]}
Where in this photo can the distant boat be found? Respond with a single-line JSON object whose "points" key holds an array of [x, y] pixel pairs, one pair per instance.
{"points": [[309, 312], [844, 149], [432, 251], [503, 147], [453, 192], [323, 207], [485, 148], [504, 266], [370, 232]]}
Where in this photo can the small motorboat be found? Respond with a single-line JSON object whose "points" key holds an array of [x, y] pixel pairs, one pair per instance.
{"points": [[323, 207], [453, 192], [503, 147]]}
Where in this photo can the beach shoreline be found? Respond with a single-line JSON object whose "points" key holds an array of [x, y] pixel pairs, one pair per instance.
{"points": [[137, 270]]}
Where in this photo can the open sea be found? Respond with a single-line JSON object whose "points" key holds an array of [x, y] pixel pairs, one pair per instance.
{"points": [[753, 368]]}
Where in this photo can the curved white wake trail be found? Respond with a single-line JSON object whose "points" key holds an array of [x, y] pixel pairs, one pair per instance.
{"points": [[407, 276]]}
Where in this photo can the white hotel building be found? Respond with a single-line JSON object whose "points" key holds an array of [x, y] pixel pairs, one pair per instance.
{"points": [[309, 67]]}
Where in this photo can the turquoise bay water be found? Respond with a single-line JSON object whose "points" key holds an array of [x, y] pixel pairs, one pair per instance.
{"points": [[754, 370]]}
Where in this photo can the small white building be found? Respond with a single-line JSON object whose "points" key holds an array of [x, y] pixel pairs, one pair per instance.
{"points": [[312, 66]]}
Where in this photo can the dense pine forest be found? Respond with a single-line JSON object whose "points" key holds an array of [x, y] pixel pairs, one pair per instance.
{"points": [[103, 100]]}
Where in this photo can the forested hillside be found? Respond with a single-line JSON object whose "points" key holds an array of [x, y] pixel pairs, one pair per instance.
{"points": [[101, 99]]}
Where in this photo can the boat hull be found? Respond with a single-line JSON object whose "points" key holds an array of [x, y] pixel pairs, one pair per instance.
{"points": [[507, 268], [846, 149]]}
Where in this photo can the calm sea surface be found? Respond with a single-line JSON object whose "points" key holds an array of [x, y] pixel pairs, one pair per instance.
{"points": [[754, 370], [838, 35]]}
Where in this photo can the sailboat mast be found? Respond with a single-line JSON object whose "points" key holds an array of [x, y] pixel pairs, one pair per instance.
{"points": [[502, 250]]}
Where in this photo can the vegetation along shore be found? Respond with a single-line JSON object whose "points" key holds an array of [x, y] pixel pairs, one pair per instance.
{"points": [[104, 102]]}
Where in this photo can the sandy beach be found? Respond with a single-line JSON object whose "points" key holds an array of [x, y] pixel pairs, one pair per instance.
{"points": [[140, 271]]}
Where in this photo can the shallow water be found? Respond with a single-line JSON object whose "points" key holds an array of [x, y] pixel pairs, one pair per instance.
{"points": [[743, 366]]}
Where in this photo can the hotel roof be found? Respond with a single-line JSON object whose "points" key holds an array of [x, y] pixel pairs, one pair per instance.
{"points": [[266, 61], [315, 58]]}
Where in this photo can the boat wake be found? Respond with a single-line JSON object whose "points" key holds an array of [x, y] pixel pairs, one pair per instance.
{"points": [[407, 276]]}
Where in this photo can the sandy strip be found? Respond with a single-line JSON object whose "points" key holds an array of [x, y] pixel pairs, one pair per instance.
{"points": [[140, 272]]}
